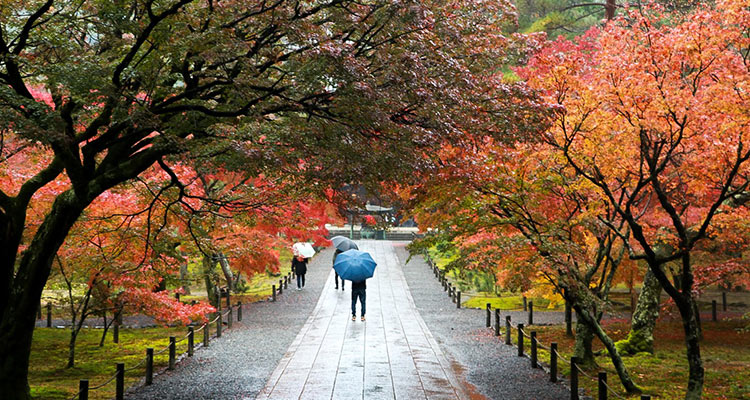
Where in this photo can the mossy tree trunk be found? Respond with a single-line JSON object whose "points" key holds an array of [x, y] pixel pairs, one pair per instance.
{"points": [[641, 336]]}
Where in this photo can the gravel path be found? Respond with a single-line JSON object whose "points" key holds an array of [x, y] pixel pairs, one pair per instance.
{"points": [[238, 365], [492, 368]]}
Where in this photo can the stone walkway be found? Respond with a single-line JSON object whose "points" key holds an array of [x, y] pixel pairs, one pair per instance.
{"points": [[391, 355]]}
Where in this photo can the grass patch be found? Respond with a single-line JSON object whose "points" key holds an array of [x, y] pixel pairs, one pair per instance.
{"points": [[49, 379], [508, 302], [725, 351]]}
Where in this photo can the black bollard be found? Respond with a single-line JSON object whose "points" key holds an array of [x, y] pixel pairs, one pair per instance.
{"points": [[533, 350], [273, 292], [497, 322], [573, 378], [191, 341], [507, 330], [83, 389], [149, 366], [172, 352], [520, 340], [602, 385], [120, 382], [553, 362], [531, 313], [489, 315]]}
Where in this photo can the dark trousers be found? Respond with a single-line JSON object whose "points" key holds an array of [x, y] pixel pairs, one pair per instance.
{"points": [[336, 280], [362, 294], [300, 281]]}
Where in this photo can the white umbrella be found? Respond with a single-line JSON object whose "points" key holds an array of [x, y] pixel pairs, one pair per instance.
{"points": [[303, 249]]}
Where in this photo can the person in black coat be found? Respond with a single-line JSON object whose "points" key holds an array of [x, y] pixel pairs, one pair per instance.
{"points": [[299, 267], [359, 290], [336, 278]]}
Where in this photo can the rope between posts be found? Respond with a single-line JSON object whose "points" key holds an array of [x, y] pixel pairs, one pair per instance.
{"points": [[105, 383], [226, 313], [561, 358], [137, 365], [181, 339], [523, 332], [161, 351], [215, 319], [199, 329], [612, 391], [584, 373]]}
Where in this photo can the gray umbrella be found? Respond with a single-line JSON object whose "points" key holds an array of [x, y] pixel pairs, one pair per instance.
{"points": [[344, 243]]}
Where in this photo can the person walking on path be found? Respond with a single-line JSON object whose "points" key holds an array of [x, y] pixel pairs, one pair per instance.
{"points": [[359, 290], [336, 277], [299, 268]]}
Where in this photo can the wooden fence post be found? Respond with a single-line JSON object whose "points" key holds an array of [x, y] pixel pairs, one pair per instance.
{"points": [[533, 350], [497, 322], [177, 296], [531, 313], [206, 334], [239, 311], [172, 352], [458, 299], [524, 303], [645, 397], [191, 341], [507, 330], [229, 318], [149, 366], [489, 315], [602, 385], [281, 286], [553, 362], [273, 292], [116, 332], [49, 315], [229, 297], [573, 378], [723, 301], [218, 326], [39, 312], [83, 389], [520, 340], [120, 382]]}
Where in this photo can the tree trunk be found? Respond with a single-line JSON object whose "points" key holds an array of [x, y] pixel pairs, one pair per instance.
{"points": [[583, 345], [622, 371], [72, 347], [692, 341], [643, 322], [104, 331], [24, 289], [210, 277], [184, 278], [227, 272]]}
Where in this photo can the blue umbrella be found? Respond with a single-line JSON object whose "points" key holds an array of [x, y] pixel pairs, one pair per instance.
{"points": [[355, 265]]}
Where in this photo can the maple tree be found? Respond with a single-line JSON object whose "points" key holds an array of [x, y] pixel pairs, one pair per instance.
{"points": [[520, 212], [94, 93], [654, 114]]}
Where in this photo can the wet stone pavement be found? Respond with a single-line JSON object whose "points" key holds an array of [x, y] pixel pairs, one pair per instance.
{"points": [[414, 345]]}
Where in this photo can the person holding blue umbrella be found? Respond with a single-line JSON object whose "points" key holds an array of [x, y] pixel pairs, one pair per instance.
{"points": [[356, 266]]}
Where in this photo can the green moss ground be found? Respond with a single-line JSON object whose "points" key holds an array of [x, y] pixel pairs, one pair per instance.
{"points": [[49, 379], [725, 351]]}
